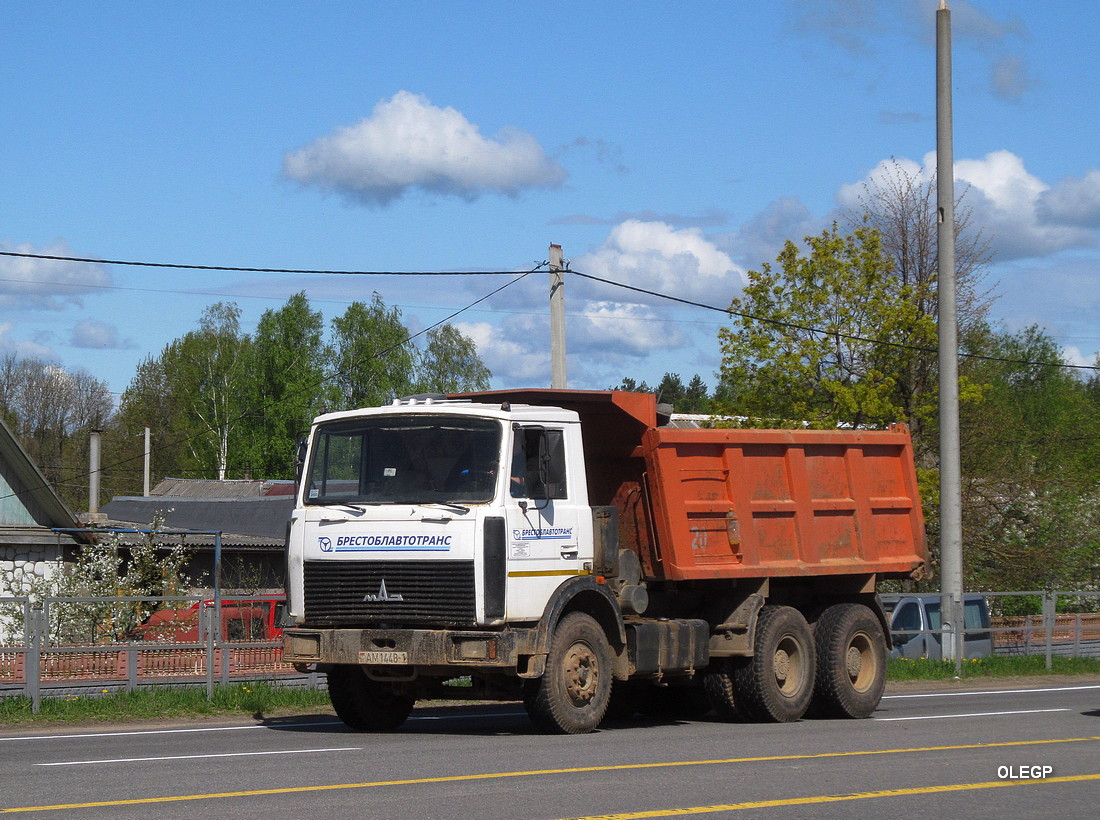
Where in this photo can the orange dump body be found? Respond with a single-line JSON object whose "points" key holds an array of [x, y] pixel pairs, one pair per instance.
{"points": [[701, 504], [759, 503]]}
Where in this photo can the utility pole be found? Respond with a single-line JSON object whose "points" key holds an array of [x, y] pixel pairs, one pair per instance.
{"points": [[951, 570], [557, 319], [148, 460], [93, 472]]}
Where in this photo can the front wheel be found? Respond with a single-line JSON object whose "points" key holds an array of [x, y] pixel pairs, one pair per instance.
{"points": [[366, 705], [572, 695], [851, 662]]}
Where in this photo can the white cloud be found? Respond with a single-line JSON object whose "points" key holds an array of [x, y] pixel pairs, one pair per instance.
{"points": [[90, 333], [1073, 201], [514, 354], [409, 144], [23, 349], [46, 284], [628, 329], [1019, 214], [1073, 355], [655, 256]]}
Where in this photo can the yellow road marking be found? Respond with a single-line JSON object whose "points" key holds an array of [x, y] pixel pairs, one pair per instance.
{"points": [[138, 801], [837, 798]]}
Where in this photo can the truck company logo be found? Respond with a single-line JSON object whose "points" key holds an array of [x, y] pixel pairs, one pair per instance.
{"points": [[543, 534], [368, 543], [383, 595]]}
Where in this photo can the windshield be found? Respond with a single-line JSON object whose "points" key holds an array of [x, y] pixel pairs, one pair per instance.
{"points": [[411, 459]]}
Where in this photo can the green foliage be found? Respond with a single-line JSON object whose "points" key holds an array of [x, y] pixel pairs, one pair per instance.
{"points": [[373, 357], [827, 338], [1030, 455], [225, 404], [243, 698], [450, 364], [286, 386], [109, 568], [898, 669]]}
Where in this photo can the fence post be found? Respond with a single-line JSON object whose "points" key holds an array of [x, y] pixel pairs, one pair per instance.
{"points": [[34, 619], [1048, 623], [208, 619]]}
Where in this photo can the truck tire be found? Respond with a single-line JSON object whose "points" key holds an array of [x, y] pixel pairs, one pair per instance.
{"points": [[572, 695], [363, 704], [851, 662], [719, 685], [777, 683]]}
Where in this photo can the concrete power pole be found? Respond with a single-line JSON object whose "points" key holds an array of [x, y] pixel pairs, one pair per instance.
{"points": [[951, 568], [148, 462], [557, 319], [93, 472]]}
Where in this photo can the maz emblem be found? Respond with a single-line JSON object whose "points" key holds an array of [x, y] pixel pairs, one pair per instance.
{"points": [[382, 595]]}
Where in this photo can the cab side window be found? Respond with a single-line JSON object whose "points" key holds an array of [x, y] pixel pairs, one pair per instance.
{"points": [[538, 463]]}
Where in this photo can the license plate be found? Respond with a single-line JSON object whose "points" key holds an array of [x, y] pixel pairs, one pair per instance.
{"points": [[400, 658]]}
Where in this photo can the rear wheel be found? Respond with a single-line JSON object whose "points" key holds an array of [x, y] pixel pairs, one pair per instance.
{"points": [[364, 704], [719, 685], [572, 695], [851, 662], [776, 684]]}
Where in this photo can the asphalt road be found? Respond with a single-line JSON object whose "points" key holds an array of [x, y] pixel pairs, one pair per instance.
{"points": [[993, 752]]}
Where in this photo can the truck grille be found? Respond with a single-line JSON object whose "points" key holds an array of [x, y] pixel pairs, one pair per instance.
{"points": [[395, 593]]}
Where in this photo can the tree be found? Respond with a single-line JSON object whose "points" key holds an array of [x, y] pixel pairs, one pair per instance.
{"points": [[374, 360], [695, 396], [450, 364], [901, 205], [1030, 450], [53, 410], [828, 338], [670, 390], [286, 385], [193, 395]]}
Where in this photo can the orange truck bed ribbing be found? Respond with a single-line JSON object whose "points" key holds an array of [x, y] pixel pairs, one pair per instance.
{"points": [[756, 503]]}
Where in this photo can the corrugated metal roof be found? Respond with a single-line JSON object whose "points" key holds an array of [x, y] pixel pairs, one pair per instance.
{"points": [[247, 520], [209, 488]]}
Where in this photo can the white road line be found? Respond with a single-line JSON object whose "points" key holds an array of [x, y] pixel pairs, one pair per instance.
{"points": [[333, 722], [991, 692], [197, 757], [170, 731], [972, 714]]}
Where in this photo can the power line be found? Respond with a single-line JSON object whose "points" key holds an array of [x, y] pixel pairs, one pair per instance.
{"points": [[519, 275], [810, 329], [656, 294], [232, 269]]}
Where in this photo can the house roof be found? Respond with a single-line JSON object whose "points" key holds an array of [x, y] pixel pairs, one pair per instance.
{"points": [[245, 522], [220, 490], [26, 496]]}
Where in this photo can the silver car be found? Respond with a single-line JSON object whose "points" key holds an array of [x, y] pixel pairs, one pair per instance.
{"points": [[915, 628]]}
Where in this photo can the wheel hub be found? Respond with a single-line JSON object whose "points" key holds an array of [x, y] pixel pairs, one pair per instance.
{"points": [[581, 674], [782, 665], [854, 662]]}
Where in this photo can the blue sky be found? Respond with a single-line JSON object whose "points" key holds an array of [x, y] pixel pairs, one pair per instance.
{"points": [[670, 146]]}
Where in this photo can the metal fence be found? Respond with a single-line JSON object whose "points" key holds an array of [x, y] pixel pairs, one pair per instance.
{"points": [[1067, 624], [62, 646], [65, 646]]}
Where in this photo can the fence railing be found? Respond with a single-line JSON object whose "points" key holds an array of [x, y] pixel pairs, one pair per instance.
{"points": [[73, 645], [63, 645]]}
